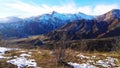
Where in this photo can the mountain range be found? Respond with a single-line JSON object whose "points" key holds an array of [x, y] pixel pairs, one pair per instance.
{"points": [[63, 26]]}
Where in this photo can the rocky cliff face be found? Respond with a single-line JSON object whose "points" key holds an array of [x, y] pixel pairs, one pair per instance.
{"points": [[106, 25]]}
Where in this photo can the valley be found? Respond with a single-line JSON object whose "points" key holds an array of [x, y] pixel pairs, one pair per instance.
{"points": [[30, 53]]}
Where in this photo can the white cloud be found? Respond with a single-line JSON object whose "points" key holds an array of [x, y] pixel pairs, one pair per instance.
{"points": [[100, 9], [18, 8], [85, 9], [27, 8]]}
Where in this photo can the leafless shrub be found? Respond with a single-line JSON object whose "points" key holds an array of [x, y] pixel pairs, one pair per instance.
{"points": [[59, 51]]}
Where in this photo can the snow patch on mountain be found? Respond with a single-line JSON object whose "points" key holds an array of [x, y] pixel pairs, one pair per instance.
{"points": [[76, 65], [3, 50], [22, 62]]}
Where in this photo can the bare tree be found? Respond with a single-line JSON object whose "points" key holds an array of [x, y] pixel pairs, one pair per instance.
{"points": [[59, 50]]}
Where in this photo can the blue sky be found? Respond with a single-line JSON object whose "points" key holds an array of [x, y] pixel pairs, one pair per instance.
{"points": [[27, 8]]}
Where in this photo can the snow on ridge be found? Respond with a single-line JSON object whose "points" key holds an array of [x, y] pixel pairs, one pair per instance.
{"points": [[82, 56], [83, 65], [66, 16], [22, 62], [108, 62], [25, 55], [3, 50], [1, 57]]}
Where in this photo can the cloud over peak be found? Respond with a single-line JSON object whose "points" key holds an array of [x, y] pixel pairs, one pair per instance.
{"points": [[22, 9]]}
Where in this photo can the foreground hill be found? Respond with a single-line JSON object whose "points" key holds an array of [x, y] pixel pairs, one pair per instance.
{"points": [[40, 58]]}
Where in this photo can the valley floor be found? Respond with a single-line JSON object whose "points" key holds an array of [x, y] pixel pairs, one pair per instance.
{"points": [[40, 58]]}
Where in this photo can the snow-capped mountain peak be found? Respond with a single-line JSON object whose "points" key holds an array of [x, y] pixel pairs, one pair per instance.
{"points": [[116, 13], [84, 16], [10, 19]]}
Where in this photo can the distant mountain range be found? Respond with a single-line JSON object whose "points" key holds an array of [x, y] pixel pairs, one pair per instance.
{"points": [[106, 25], [17, 27], [56, 25]]}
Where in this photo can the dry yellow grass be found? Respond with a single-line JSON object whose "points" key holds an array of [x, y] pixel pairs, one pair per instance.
{"points": [[47, 59]]}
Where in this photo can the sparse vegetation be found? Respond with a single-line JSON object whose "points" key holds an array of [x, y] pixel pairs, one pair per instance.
{"points": [[47, 58], [57, 54]]}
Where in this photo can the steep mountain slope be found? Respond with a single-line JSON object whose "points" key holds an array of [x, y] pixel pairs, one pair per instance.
{"points": [[73, 26], [106, 25], [112, 18], [109, 16], [16, 27]]}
